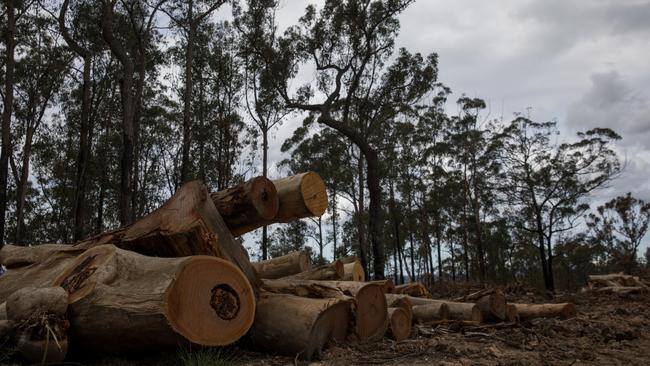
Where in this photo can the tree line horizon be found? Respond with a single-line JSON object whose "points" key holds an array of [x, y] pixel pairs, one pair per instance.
{"points": [[103, 117]]}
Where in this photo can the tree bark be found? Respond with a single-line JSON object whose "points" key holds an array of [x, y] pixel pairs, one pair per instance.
{"points": [[532, 311], [332, 271], [353, 272], [413, 289], [283, 266], [430, 312]]}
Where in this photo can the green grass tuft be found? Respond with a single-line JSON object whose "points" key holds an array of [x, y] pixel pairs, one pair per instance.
{"points": [[206, 357]]}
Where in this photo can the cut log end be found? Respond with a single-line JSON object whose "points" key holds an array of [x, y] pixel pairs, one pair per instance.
{"points": [[210, 305], [371, 312], [283, 266], [400, 324], [314, 193], [353, 272], [265, 197]]}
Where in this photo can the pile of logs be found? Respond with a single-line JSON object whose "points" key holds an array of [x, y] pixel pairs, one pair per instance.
{"points": [[615, 283], [179, 276]]}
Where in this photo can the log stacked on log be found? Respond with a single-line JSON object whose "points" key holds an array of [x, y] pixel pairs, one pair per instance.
{"points": [[353, 269], [616, 283], [416, 289]]}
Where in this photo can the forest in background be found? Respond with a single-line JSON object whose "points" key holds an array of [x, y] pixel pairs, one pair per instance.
{"points": [[109, 106]]}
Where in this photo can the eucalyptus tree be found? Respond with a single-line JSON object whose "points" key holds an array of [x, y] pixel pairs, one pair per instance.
{"points": [[349, 43], [546, 184]]}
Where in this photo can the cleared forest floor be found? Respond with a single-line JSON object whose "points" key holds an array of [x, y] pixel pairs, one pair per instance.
{"points": [[609, 330]]}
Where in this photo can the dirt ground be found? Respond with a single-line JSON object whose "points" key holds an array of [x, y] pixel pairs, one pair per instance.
{"points": [[609, 330]]}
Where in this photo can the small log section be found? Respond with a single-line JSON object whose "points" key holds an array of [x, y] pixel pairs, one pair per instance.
{"points": [[431, 312], [331, 271], [461, 311], [122, 301], [311, 289], [532, 311], [616, 283], [298, 326], [399, 324], [255, 200], [415, 289], [283, 266], [493, 306], [353, 270]]}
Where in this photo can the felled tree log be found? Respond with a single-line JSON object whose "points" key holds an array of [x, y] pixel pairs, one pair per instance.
{"points": [[457, 310], [415, 289], [122, 301], [493, 306], [621, 290], [283, 266], [298, 326], [331, 271], [33, 266], [353, 270], [399, 324], [301, 195], [513, 314], [430, 312], [615, 279], [312, 289], [532, 311], [387, 285], [255, 200], [186, 224]]}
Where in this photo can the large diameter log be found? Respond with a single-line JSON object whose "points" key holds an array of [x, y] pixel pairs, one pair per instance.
{"points": [[122, 301], [298, 326], [457, 310], [532, 311], [399, 324], [301, 195], [312, 289], [431, 312], [186, 224], [255, 200], [353, 271], [387, 285], [415, 289], [283, 266], [493, 306], [331, 271], [33, 266]]}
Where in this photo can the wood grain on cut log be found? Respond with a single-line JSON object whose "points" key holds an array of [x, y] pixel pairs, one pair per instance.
{"points": [[186, 224], [354, 271], [430, 312], [255, 200], [330, 271], [387, 285], [283, 266], [532, 311], [124, 301], [513, 314], [457, 310], [33, 266], [301, 195], [400, 301], [415, 289], [399, 327], [493, 306], [298, 326], [300, 288]]}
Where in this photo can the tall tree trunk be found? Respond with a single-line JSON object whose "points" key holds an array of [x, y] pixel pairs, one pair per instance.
{"points": [[126, 86], [411, 229], [137, 117], [374, 189], [334, 221], [187, 95], [10, 45], [22, 185], [265, 151], [83, 153], [361, 230], [397, 243]]}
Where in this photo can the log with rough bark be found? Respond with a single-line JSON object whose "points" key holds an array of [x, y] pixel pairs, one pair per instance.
{"points": [[353, 269], [283, 266], [399, 327], [40, 323], [493, 306], [255, 200], [387, 285], [621, 290], [615, 279], [33, 266], [312, 289], [457, 310], [533, 311], [415, 289], [331, 271], [186, 224], [430, 312], [301, 195], [402, 302], [512, 314], [299, 326], [123, 301]]}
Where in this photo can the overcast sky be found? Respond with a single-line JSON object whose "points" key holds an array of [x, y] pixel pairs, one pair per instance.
{"points": [[584, 63]]}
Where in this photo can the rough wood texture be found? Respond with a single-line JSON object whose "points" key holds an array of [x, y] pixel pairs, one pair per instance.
{"points": [[255, 200], [493, 306], [513, 315], [430, 312], [615, 279], [283, 266], [399, 324], [300, 288], [298, 326], [301, 195], [353, 271], [415, 289], [457, 310], [331, 271], [387, 285], [122, 301], [187, 224], [532, 311], [37, 266]]}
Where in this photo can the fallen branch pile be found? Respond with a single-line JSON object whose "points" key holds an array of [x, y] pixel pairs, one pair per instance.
{"points": [[615, 283], [179, 277]]}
